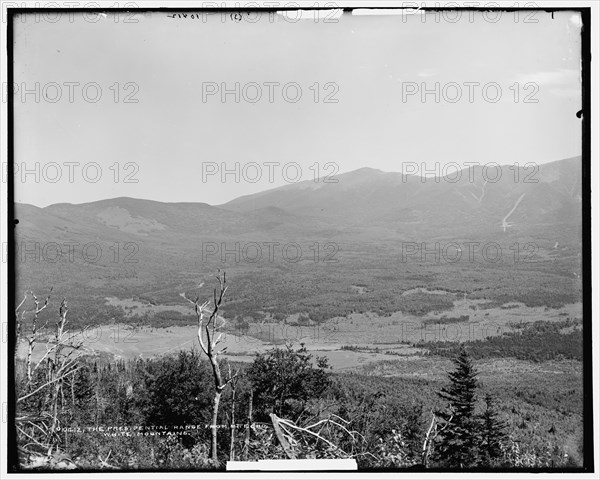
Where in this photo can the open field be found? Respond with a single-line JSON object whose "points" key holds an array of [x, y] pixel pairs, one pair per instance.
{"points": [[354, 341]]}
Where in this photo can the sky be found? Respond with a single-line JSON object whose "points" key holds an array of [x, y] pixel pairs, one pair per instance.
{"points": [[132, 105]]}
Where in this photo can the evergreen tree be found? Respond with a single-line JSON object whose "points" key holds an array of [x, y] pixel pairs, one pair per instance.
{"points": [[493, 433], [458, 445]]}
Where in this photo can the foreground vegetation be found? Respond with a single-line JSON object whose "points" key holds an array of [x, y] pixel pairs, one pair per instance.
{"points": [[139, 414], [80, 412]]}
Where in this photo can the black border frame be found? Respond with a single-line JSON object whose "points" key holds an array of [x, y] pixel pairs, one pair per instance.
{"points": [[585, 114]]}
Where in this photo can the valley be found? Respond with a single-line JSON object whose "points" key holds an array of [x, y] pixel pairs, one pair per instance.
{"points": [[374, 261], [382, 275]]}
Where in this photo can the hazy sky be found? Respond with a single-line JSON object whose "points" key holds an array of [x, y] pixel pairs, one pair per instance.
{"points": [[374, 66]]}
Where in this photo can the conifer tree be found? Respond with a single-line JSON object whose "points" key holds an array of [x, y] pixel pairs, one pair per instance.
{"points": [[458, 445], [493, 433]]}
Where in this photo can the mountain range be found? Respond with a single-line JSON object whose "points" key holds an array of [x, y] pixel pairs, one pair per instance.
{"points": [[349, 235], [491, 202]]}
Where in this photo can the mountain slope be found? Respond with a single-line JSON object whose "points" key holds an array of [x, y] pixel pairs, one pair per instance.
{"points": [[550, 193], [359, 205], [343, 236]]}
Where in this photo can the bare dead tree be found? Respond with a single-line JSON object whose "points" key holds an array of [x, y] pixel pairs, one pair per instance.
{"points": [[19, 321], [60, 364], [284, 440], [210, 333], [32, 338], [432, 433], [234, 383], [291, 435]]}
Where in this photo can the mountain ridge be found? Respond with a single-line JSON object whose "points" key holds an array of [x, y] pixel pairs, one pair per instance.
{"points": [[362, 199]]}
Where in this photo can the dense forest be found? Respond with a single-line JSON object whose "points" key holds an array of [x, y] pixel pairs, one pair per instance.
{"points": [[536, 342], [149, 414], [193, 410]]}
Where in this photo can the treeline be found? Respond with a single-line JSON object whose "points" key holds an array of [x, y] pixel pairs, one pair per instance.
{"points": [[400, 423], [537, 342]]}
